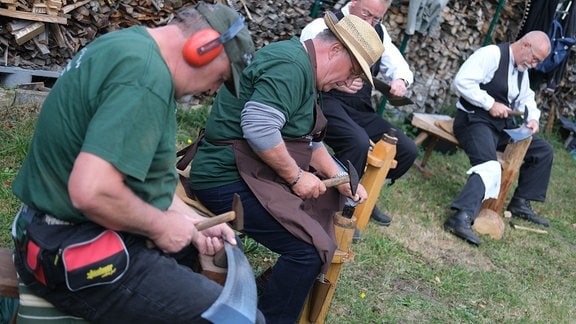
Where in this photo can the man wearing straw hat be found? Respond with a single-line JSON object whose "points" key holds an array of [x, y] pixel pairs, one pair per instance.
{"points": [[352, 120], [266, 146]]}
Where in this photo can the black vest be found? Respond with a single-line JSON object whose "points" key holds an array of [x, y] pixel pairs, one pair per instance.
{"points": [[497, 88]]}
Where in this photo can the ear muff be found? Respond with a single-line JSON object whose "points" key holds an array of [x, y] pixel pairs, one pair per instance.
{"points": [[205, 45], [202, 47]]}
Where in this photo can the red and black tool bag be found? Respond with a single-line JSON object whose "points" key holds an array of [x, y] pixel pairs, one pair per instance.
{"points": [[78, 256]]}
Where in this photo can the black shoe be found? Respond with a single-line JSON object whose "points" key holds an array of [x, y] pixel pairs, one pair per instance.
{"points": [[380, 218], [520, 208], [357, 237], [461, 225]]}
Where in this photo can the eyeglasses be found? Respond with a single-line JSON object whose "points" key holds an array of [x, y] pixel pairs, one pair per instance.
{"points": [[534, 57], [354, 72], [366, 15]]}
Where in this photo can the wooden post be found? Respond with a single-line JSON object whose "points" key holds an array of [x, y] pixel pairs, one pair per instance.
{"points": [[511, 161], [489, 220], [318, 301], [380, 161]]}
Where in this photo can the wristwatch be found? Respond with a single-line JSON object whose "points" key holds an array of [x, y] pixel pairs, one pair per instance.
{"points": [[340, 174]]}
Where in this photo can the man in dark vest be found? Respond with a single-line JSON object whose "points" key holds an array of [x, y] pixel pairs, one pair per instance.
{"points": [[491, 83], [352, 119]]}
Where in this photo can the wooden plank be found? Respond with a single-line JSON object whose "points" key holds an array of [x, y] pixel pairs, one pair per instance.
{"points": [[14, 25], [32, 16], [73, 6], [27, 33], [426, 122]]}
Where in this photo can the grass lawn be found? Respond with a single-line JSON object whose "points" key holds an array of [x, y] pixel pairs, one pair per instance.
{"points": [[413, 271]]}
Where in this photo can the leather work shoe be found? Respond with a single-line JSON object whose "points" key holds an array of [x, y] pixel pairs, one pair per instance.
{"points": [[380, 218], [520, 208], [460, 224]]}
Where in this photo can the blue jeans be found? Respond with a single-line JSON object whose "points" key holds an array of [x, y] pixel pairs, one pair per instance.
{"points": [[297, 266]]}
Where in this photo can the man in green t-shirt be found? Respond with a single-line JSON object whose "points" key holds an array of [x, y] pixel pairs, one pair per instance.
{"points": [[102, 157], [266, 146]]}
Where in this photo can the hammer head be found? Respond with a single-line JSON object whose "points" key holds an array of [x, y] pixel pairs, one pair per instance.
{"points": [[354, 179], [238, 222]]}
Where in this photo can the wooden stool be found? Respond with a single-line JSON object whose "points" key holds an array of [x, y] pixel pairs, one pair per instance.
{"points": [[433, 126], [511, 161]]}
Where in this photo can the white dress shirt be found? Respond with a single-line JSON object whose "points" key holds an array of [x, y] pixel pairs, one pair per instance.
{"points": [[480, 68]]}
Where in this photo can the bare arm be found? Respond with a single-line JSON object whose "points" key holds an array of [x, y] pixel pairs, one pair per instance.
{"points": [[98, 190], [279, 159], [323, 162]]}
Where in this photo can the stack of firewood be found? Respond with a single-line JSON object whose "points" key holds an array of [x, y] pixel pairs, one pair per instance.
{"points": [[45, 34]]}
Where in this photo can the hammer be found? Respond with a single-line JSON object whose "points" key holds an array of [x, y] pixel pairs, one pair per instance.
{"points": [[237, 214], [351, 178]]}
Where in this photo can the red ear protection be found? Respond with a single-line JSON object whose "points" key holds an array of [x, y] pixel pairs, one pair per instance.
{"points": [[202, 47]]}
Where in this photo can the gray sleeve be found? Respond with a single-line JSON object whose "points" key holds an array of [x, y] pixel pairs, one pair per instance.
{"points": [[261, 125]]}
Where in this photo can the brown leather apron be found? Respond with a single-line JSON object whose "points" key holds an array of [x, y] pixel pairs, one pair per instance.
{"points": [[309, 220]]}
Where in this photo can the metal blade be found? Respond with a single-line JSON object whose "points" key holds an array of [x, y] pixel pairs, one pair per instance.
{"points": [[520, 133], [354, 180], [396, 101], [237, 303]]}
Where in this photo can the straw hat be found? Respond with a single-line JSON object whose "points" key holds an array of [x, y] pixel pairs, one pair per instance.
{"points": [[359, 37]]}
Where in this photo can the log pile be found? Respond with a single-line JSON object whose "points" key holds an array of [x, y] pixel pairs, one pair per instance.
{"points": [[45, 34]]}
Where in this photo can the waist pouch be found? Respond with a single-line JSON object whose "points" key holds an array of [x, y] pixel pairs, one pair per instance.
{"points": [[80, 256]]}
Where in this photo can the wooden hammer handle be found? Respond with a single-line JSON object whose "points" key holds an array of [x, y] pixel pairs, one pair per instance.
{"points": [[212, 221], [332, 182]]}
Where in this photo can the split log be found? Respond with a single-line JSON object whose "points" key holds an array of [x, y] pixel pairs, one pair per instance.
{"points": [[489, 222]]}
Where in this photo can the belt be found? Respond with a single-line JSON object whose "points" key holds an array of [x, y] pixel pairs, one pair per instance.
{"points": [[27, 215]]}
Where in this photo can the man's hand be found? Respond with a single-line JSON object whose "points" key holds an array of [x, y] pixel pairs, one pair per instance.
{"points": [[533, 125], [352, 87], [179, 230], [361, 194], [499, 110], [309, 186], [398, 88]]}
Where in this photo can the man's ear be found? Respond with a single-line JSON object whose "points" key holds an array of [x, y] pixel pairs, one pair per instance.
{"points": [[336, 49]]}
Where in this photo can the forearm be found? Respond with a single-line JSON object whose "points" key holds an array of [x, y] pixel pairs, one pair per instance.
{"points": [[323, 162], [280, 160]]}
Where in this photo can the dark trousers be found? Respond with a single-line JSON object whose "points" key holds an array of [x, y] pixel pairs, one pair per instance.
{"points": [[155, 289], [298, 263], [480, 138], [350, 130]]}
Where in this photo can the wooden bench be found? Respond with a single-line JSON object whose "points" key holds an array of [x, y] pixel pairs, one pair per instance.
{"points": [[439, 127]]}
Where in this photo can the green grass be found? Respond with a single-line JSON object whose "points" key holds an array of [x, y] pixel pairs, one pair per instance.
{"points": [[413, 271]]}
